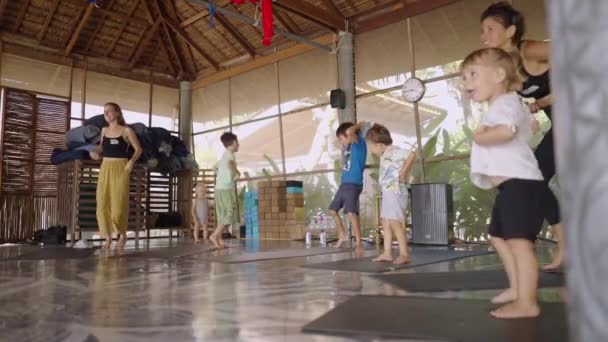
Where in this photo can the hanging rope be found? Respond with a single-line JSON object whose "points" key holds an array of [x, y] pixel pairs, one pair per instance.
{"points": [[212, 12]]}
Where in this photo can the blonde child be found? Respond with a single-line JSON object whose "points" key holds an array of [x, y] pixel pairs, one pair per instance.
{"points": [[225, 198], [200, 212], [395, 166], [502, 158]]}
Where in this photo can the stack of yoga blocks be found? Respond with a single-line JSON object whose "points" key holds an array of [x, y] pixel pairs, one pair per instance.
{"points": [[252, 222], [281, 210]]}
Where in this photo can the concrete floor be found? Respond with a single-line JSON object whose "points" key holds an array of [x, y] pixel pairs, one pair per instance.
{"points": [[190, 299]]}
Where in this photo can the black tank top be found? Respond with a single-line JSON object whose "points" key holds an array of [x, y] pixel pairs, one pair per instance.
{"points": [[115, 147], [536, 87]]}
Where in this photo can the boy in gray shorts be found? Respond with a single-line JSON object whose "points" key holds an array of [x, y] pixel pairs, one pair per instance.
{"points": [[395, 167], [354, 153]]}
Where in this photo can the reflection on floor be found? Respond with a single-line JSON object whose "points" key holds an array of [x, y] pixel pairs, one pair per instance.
{"points": [[190, 298]]}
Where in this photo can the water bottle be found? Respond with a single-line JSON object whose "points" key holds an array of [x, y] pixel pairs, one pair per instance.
{"points": [[309, 233], [323, 234]]}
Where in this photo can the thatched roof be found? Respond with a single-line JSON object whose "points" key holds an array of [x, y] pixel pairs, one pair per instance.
{"points": [[164, 41]]}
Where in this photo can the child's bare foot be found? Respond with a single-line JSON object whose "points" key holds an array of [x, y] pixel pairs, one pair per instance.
{"points": [[516, 310], [342, 239], [359, 250], [214, 241], [221, 242], [382, 257], [197, 241], [402, 259], [505, 296], [555, 264]]}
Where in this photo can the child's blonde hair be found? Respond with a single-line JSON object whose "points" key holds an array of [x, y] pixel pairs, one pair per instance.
{"points": [[497, 58]]}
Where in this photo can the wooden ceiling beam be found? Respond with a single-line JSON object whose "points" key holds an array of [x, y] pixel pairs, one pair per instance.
{"points": [[198, 16], [98, 27], [398, 13], [3, 4], [333, 8], [311, 13], [122, 27], [162, 47], [290, 25], [21, 15], [236, 34], [147, 11], [175, 47], [122, 17], [144, 42], [81, 23], [47, 20], [182, 34], [376, 10]]}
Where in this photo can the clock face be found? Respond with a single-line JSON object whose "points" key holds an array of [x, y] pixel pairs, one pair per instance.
{"points": [[413, 89]]}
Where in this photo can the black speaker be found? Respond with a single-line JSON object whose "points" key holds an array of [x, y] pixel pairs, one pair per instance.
{"points": [[337, 98], [432, 213]]}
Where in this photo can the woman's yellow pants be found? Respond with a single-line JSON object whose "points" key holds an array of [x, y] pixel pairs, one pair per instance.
{"points": [[113, 197]]}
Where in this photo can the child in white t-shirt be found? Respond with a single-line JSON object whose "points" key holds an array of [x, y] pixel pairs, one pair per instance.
{"points": [[501, 157], [395, 167]]}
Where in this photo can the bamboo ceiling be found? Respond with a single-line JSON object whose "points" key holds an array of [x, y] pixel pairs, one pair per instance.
{"points": [[165, 41]]}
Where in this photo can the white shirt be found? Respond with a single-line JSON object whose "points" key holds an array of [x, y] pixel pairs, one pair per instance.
{"points": [[512, 159]]}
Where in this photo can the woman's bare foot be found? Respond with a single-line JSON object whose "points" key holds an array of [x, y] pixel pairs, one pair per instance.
{"points": [[382, 257], [197, 241], [402, 259], [516, 310], [107, 243], [122, 241], [505, 296], [342, 239]]}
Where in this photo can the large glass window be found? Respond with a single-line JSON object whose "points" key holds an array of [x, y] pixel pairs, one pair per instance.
{"points": [[33, 75], [254, 95], [211, 107], [165, 108], [382, 58], [307, 79], [132, 96], [310, 140], [260, 148], [208, 149]]}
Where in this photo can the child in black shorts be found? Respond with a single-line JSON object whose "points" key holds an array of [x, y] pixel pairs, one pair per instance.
{"points": [[501, 157]]}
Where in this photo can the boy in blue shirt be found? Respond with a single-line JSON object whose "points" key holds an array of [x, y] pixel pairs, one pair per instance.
{"points": [[354, 153]]}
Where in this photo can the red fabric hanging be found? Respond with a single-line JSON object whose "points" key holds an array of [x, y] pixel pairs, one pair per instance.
{"points": [[267, 21]]}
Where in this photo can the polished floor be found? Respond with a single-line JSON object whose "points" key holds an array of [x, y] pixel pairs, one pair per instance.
{"points": [[190, 299]]}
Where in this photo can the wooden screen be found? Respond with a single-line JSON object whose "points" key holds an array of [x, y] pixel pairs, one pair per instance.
{"points": [[32, 127]]}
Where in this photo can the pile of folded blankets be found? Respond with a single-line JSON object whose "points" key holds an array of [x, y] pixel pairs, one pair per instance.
{"points": [[160, 150]]}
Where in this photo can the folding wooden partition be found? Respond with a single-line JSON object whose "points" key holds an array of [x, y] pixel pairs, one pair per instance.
{"points": [[32, 126], [149, 191]]}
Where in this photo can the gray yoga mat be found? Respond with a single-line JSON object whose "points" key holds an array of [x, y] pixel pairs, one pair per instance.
{"points": [[419, 256], [277, 254], [178, 251], [437, 319], [461, 280], [54, 253]]}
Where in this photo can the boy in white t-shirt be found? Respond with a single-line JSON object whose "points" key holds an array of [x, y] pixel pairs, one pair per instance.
{"points": [[501, 157], [395, 167]]}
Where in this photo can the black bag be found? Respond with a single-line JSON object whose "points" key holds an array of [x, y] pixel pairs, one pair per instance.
{"points": [[169, 220], [55, 235]]}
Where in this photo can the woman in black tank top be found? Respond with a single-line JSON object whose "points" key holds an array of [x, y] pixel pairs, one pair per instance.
{"points": [[503, 27], [114, 174]]}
